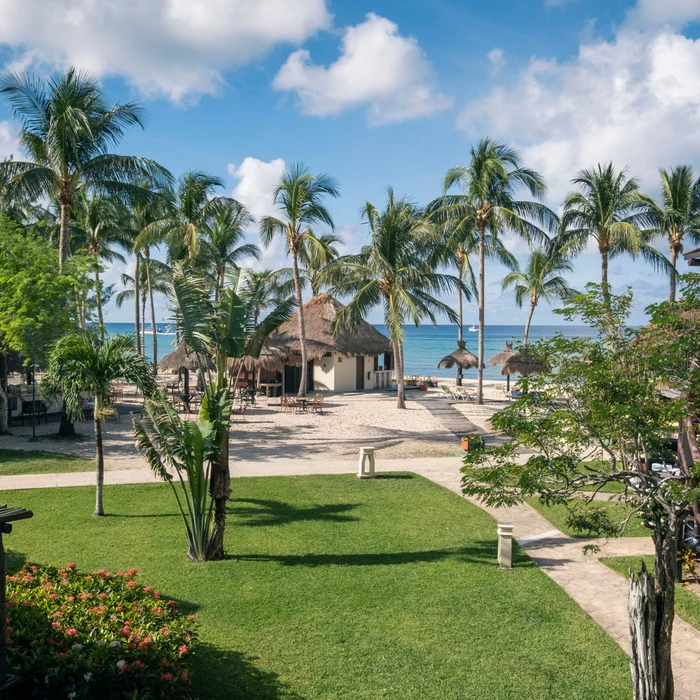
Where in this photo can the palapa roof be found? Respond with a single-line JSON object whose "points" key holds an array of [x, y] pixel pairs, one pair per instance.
{"points": [[319, 314], [524, 363], [270, 359], [460, 356], [502, 356], [179, 359]]}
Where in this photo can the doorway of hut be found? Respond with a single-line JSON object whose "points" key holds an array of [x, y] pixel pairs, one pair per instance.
{"points": [[360, 373], [292, 378]]}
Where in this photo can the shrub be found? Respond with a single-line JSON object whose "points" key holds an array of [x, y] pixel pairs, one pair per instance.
{"points": [[74, 635]]}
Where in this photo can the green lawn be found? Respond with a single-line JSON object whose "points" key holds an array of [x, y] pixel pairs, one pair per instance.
{"points": [[337, 588], [41, 462], [687, 602], [557, 515]]}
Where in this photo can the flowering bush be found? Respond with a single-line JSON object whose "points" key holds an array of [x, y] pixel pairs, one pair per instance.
{"points": [[73, 635]]}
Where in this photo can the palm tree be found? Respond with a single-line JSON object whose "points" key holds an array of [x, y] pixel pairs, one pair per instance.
{"points": [[540, 281], [67, 131], [678, 214], [606, 208], [299, 196], [222, 244], [392, 271], [80, 362], [316, 253], [489, 185]]}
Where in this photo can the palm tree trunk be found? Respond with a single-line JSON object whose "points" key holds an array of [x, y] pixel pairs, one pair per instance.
{"points": [[144, 297], [98, 300], [302, 329], [604, 282], [100, 460], [533, 305], [460, 330], [63, 242], [137, 318], [220, 491], [4, 401], [153, 308], [480, 386], [674, 259], [398, 363]]}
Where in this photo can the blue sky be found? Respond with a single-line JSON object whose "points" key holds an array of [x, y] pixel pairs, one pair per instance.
{"points": [[385, 93]]}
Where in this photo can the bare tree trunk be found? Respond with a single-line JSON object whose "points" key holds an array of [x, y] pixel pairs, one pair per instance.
{"points": [[302, 329], [220, 491], [137, 316], [100, 462], [533, 305], [460, 330], [480, 386], [144, 297], [98, 301], [674, 259], [153, 309], [63, 241], [398, 363], [4, 400]]}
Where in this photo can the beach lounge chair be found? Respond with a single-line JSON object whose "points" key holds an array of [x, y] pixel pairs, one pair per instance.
{"points": [[461, 393], [445, 392]]}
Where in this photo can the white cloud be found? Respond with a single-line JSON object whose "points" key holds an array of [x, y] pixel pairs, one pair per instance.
{"points": [[650, 13], [256, 181], [8, 140], [377, 68], [496, 60], [176, 48], [634, 100]]}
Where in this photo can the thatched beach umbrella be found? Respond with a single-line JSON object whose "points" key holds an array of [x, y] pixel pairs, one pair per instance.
{"points": [[182, 361], [501, 357], [460, 357], [524, 363]]}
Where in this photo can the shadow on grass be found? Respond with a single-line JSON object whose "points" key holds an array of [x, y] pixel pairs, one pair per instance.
{"points": [[387, 475], [475, 553], [264, 512], [224, 673]]}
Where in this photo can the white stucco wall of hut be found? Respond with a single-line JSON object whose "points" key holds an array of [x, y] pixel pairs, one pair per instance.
{"points": [[324, 374], [344, 372]]}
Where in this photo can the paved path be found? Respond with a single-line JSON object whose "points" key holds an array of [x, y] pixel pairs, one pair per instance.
{"points": [[452, 420], [598, 590]]}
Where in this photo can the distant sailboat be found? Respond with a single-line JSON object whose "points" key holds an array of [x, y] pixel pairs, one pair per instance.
{"points": [[473, 329]]}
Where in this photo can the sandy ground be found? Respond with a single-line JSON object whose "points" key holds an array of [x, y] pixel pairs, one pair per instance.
{"points": [[348, 422]]}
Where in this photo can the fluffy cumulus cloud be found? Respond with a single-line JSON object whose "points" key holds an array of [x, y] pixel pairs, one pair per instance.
{"points": [[377, 68], [654, 12], [256, 181], [634, 100], [175, 48]]}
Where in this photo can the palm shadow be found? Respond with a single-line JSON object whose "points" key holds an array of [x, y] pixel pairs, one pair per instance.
{"points": [[267, 512]]}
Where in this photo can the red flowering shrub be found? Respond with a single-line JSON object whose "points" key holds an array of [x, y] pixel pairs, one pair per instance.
{"points": [[101, 635]]}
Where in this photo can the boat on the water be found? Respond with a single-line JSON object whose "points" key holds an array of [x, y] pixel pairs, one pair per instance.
{"points": [[473, 329]]}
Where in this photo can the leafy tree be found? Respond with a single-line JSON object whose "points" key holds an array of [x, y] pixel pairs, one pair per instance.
{"points": [[541, 280], [487, 201], [677, 216], [67, 132], [81, 362], [392, 271], [299, 198], [600, 418]]}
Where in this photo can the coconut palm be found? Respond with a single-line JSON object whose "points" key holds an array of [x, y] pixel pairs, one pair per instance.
{"points": [[299, 198], [223, 245], [67, 132], [79, 362], [541, 280], [489, 185], [316, 253], [677, 216], [392, 271], [607, 208], [265, 289]]}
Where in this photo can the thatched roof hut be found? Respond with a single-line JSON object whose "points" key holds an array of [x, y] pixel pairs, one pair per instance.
{"points": [[524, 363], [179, 359], [319, 314], [462, 357], [505, 354], [271, 359]]}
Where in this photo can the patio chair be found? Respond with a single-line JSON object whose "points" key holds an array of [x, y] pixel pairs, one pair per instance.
{"points": [[240, 411], [317, 404], [461, 393], [286, 403]]}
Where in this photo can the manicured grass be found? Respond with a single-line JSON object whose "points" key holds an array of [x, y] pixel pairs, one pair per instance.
{"points": [[337, 588], [558, 514], [687, 602], [41, 462]]}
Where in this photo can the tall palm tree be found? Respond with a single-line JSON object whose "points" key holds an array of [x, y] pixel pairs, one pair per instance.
{"points": [[67, 132], [80, 362], [299, 198], [677, 216], [541, 280], [606, 208], [223, 240], [265, 289], [316, 253], [392, 271], [489, 185]]}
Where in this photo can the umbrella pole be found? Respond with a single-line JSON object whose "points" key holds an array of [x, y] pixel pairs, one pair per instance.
{"points": [[507, 382]]}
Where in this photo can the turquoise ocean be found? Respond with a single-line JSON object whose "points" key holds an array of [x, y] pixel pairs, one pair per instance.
{"points": [[425, 346]]}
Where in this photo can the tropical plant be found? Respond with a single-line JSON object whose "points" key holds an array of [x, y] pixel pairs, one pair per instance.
{"points": [[265, 289], [67, 131], [541, 280], [677, 216], [299, 198], [489, 185], [607, 208], [315, 254], [392, 271], [78, 363]]}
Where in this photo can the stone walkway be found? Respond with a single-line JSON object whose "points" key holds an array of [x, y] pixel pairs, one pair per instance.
{"points": [[598, 590], [454, 421]]}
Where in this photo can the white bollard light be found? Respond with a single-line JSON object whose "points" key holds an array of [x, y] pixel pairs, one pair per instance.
{"points": [[505, 545], [366, 465]]}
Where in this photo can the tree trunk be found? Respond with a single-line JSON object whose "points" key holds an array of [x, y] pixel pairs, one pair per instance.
{"points": [[533, 304], [144, 298], [4, 400], [100, 462], [480, 386], [153, 308], [460, 330], [98, 301], [674, 259], [651, 611], [137, 317], [220, 488], [302, 329], [398, 364], [63, 241]]}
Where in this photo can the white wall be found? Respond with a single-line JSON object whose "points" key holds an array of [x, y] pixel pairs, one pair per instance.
{"points": [[344, 372], [324, 374]]}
